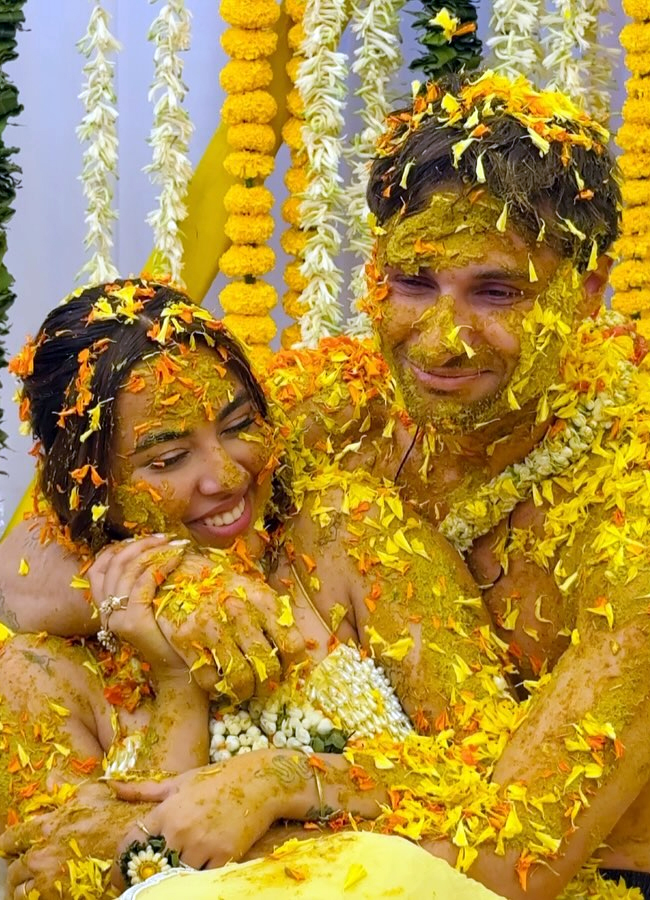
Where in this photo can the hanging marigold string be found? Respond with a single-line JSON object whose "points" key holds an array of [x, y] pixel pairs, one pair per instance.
{"points": [[631, 277], [248, 111], [294, 239], [170, 167], [98, 130]]}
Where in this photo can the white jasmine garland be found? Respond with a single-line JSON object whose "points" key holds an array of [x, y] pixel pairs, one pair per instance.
{"points": [[344, 697], [515, 45], [570, 30], [321, 83], [599, 59], [98, 130], [171, 132], [376, 24]]}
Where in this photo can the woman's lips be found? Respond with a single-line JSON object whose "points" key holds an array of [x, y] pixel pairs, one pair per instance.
{"points": [[226, 524], [443, 378]]}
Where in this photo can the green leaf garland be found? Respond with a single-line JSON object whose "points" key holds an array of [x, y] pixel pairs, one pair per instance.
{"points": [[11, 20], [447, 54]]}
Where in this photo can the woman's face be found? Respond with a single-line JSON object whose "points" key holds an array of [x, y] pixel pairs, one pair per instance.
{"points": [[190, 452]]}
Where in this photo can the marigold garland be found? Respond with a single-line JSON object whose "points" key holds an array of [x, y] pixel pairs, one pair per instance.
{"points": [[170, 167], [631, 277], [249, 109], [296, 178], [98, 129]]}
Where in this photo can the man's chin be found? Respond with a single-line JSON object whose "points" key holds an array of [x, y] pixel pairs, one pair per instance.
{"points": [[449, 412]]}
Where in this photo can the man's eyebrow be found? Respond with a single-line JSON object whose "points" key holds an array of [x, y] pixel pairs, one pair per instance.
{"points": [[504, 274], [238, 400], [158, 437]]}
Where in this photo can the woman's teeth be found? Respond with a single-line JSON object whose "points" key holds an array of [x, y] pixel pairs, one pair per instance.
{"points": [[228, 517]]}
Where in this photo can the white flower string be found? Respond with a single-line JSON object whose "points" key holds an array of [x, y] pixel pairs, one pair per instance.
{"points": [[376, 23], [578, 67], [170, 135], [599, 60], [321, 83], [515, 44], [98, 129]]}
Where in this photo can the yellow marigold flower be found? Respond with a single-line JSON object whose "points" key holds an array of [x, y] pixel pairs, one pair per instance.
{"points": [[292, 305], [293, 241], [293, 67], [261, 357], [637, 9], [643, 327], [629, 302], [251, 329], [633, 247], [292, 133], [249, 229], [251, 14], [296, 180], [638, 63], [245, 43], [636, 110], [636, 191], [242, 259], [635, 36], [295, 104], [249, 106], [635, 220], [294, 278], [635, 165], [245, 164], [295, 9], [291, 211], [254, 201], [249, 136], [291, 336], [638, 88], [245, 75], [255, 299], [295, 36], [631, 273]]}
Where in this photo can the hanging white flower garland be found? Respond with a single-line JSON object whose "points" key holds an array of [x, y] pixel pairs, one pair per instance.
{"points": [[321, 83], [171, 132], [376, 23], [98, 129], [515, 45], [576, 55]]}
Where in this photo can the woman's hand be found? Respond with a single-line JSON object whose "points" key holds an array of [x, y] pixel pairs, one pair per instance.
{"points": [[43, 845], [214, 814], [130, 572]]}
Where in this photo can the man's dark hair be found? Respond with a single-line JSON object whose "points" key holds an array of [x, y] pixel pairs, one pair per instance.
{"points": [[112, 346], [572, 189]]}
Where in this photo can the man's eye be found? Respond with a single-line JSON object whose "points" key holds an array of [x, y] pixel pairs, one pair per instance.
{"points": [[410, 285], [240, 425], [164, 462], [501, 293]]}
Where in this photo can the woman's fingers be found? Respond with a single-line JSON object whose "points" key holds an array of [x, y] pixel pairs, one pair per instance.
{"points": [[118, 555]]}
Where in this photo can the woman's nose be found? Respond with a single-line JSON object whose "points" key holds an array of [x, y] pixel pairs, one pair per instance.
{"points": [[221, 474]]}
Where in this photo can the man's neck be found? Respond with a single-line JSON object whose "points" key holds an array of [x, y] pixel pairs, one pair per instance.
{"points": [[499, 443]]}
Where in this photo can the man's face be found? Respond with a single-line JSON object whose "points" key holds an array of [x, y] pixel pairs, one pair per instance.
{"points": [[475, 317]]}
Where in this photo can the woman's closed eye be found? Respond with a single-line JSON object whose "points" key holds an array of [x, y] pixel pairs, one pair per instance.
{"points": [[242, 422], [173, 457]]}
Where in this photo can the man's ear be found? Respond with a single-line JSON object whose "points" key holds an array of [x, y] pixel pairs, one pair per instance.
{"points": [[595, 282]]}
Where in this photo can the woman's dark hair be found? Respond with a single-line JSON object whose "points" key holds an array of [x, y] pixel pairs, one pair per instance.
{"points": [[83, 354], [573, 182]]}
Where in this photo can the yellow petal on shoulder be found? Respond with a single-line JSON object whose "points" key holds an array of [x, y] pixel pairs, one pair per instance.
{"points": [[23, 567], [60, 710], [80, 583]]}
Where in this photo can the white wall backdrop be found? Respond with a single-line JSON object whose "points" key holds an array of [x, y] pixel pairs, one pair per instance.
{"points": [[46, 233]]}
